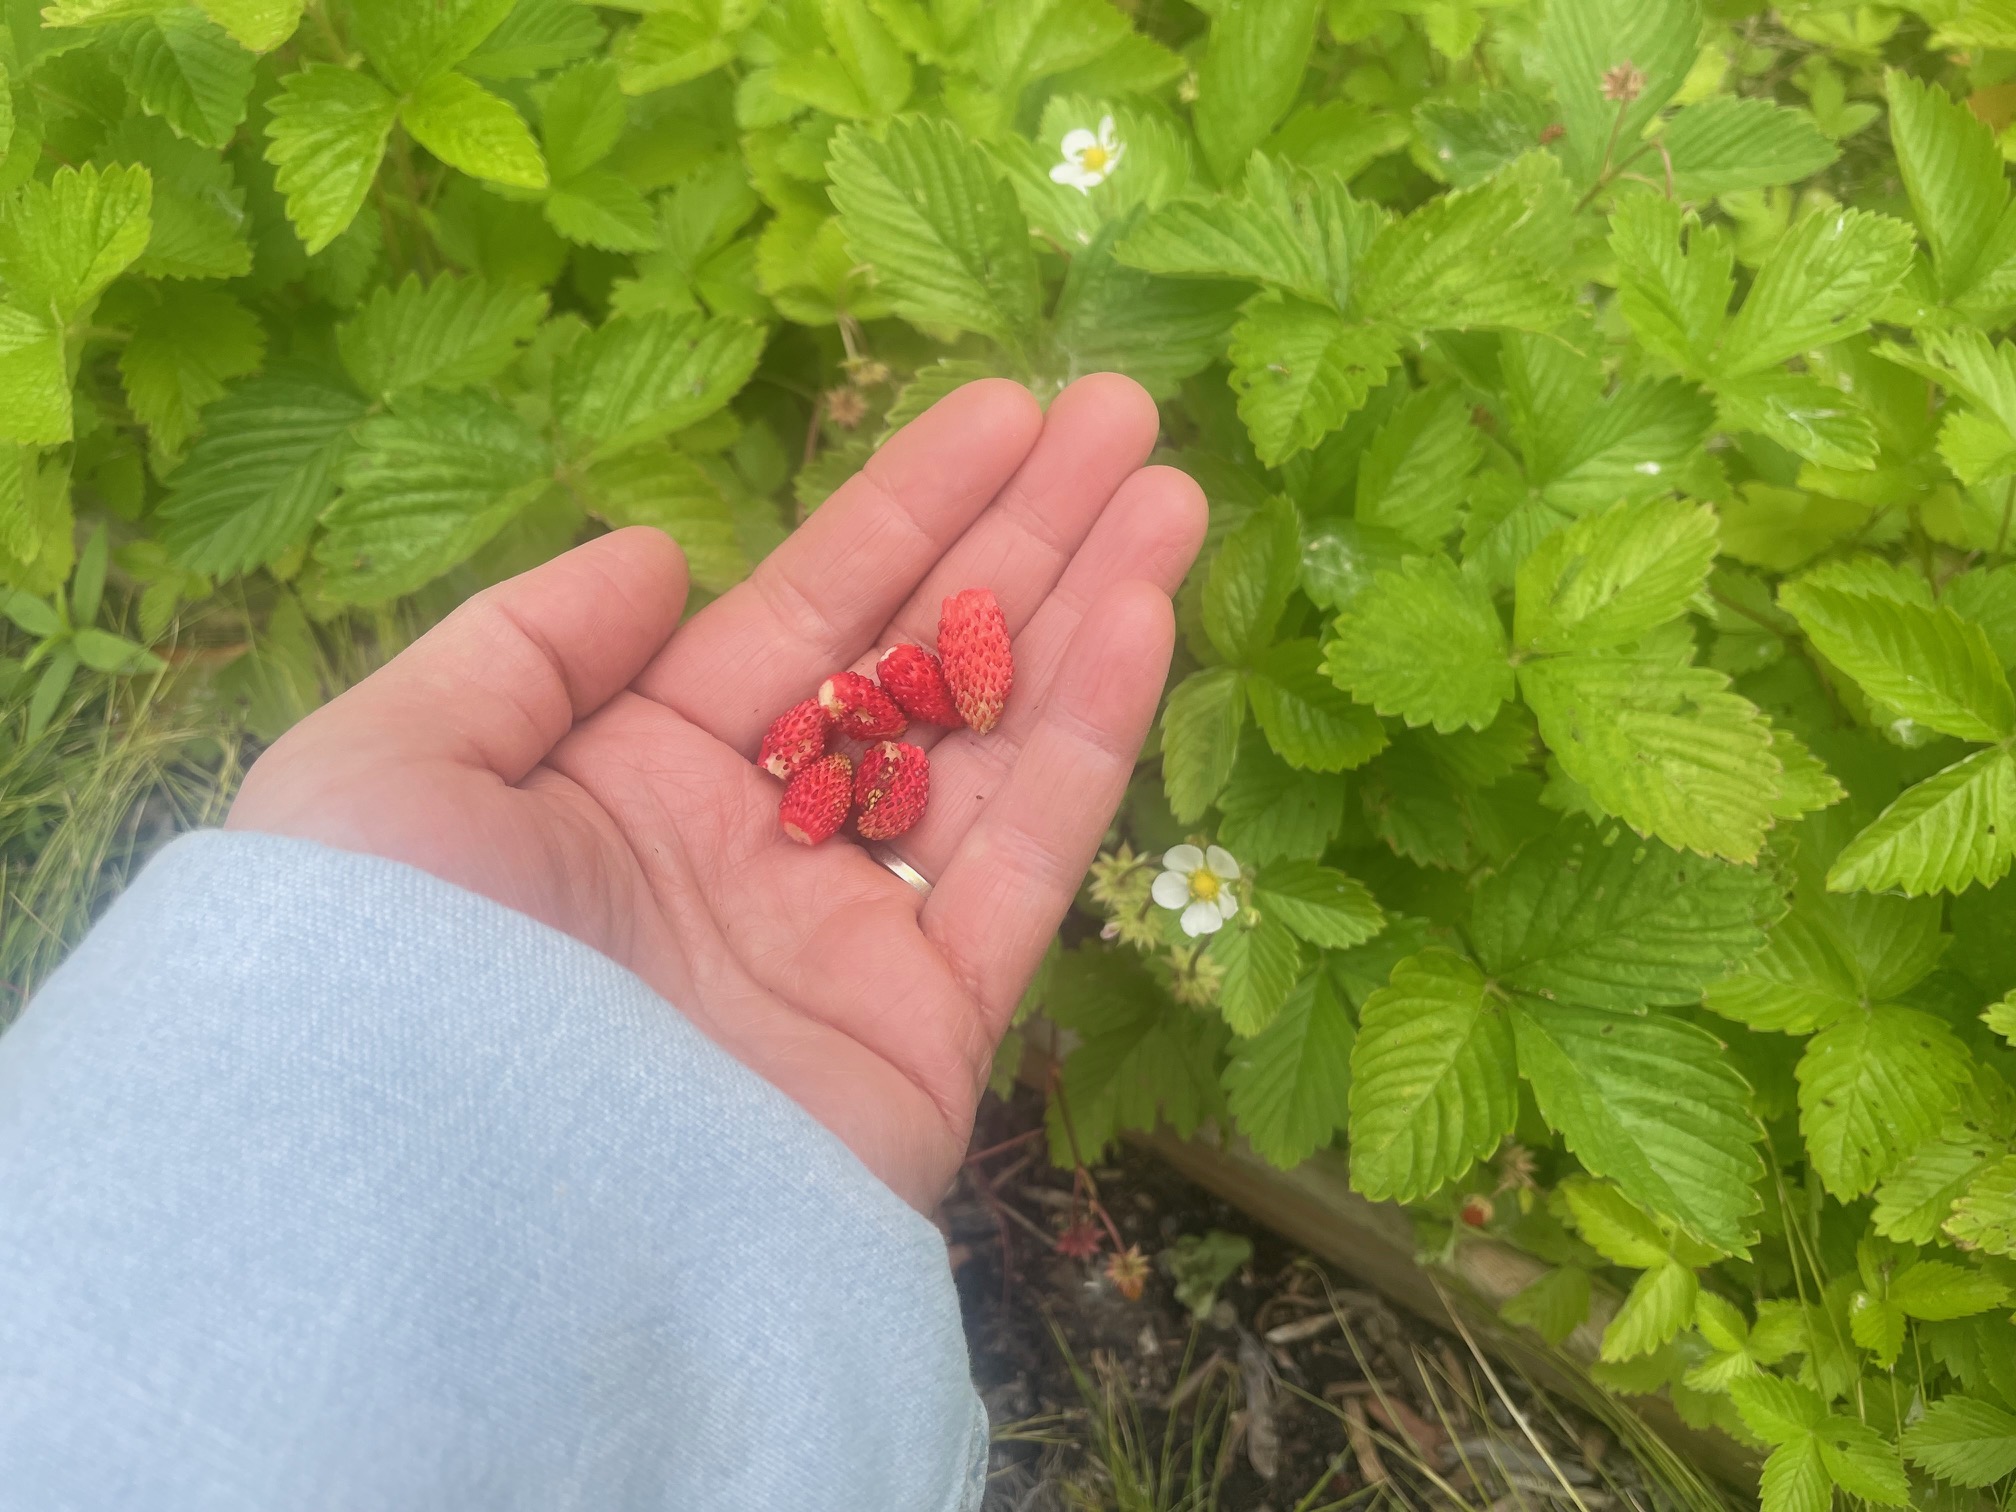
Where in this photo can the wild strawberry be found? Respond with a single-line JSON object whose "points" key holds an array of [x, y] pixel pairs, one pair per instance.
{"points": [[859, 709], [891, 789], [915, 679], [816, 800], [1477, 1210], [797, 739], [979, 667]]}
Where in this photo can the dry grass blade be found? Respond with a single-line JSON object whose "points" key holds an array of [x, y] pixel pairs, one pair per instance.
{"points": [[1510, 1406], [1129, 1470], [82, 807]]}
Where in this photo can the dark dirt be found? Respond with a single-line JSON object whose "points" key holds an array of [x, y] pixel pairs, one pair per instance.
{"points": [[1295, 1392]]}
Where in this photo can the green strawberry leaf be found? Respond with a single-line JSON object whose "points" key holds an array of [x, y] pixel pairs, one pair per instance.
{"points": [[327, 132], [1288, 1087], [1424, 643], [468, 127], [1431, 1074]]}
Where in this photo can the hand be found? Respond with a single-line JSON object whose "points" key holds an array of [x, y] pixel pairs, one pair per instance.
{"points": [[555, 745]]}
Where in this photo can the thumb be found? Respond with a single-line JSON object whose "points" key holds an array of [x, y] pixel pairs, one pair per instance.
{"points": [[497, 683]]}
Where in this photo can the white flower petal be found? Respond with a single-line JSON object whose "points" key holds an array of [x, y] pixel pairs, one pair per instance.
{"points": [[1109, 137], [1077, 143], [1171, 889], [1221, 863], [1074, 177], [1202, 919], [1183, 858], [1227, 904]]}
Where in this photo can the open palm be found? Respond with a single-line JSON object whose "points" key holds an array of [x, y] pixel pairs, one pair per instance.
{"points": [[556, 745]]}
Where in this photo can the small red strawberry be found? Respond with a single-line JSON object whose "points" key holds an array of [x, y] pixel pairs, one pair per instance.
{"points": [[979, 667], [817, 799], [797, 738], [861, 710], [915, 679], [891, 790], [1477, 1210]]}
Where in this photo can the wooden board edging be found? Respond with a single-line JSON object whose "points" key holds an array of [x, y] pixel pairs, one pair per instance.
{"points": [[1315, 1207]]}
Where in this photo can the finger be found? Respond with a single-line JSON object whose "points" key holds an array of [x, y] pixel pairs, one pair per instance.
{"points": [[1151, 533], [500, 681], [1002, 895], [1097, 434], [817, 601]]}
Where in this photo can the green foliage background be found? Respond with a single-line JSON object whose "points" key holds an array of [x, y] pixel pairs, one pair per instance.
{"points": [[1600, 661]]}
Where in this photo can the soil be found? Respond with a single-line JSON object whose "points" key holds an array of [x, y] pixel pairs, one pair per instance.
{"points": [[1295, 1390]]}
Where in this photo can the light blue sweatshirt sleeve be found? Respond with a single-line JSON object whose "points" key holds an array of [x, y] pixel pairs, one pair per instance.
{"points": [[327, 1185]]}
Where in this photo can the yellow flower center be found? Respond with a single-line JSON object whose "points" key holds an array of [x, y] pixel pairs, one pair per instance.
{"points": [[1204, 886], [1094, 158]]}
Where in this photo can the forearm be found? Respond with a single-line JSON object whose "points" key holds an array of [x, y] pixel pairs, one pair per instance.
{"points": [[325, 1184]]}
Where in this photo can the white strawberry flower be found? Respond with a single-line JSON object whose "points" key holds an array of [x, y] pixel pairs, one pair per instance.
{"points": [[1199, 882], [1089, 156]]}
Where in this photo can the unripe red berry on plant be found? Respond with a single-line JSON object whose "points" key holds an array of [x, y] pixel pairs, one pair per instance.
{"points": [[859, 709], [1477, 1210], [816, 801], [891, 790]]}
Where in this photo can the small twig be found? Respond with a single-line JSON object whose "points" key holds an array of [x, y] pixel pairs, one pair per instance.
{"points": [[1004, 1146], [1301, 1328], [1605, 173], [1081, 1174], [1049, 1240], [812, 431], [1112, 1230], [1013, 1169]]}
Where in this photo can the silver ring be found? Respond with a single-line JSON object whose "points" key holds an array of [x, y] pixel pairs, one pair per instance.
{"points": [[901, 868]]}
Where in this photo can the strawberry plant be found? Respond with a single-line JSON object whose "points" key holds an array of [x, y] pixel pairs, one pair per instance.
{"points": [[1587, 793]]}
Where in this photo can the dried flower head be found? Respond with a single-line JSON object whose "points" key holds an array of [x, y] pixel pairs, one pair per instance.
{"points": [[1128, 1271], [1624, 83], [846, 407], [1515, 1169], [1081, 1241]]}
